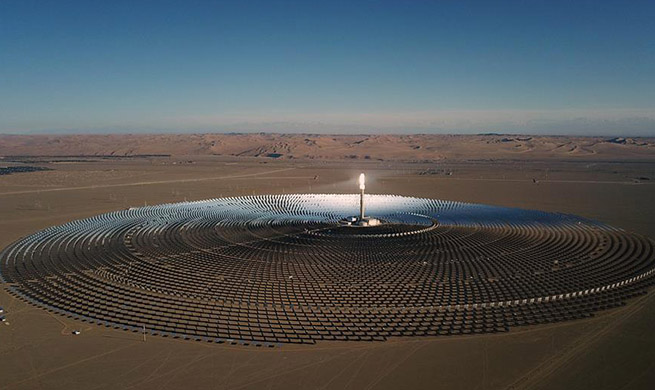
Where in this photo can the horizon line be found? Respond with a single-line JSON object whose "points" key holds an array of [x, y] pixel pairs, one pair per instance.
{"points": [[65, 133]]}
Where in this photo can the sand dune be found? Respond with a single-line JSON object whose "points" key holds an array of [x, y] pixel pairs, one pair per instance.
{"points": [[334, 147]]}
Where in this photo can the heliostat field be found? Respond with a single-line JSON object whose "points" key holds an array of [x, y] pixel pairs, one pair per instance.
{"points": [[289, 269]]}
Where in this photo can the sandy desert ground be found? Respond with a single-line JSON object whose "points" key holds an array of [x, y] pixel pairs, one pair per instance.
{"points": [[613, 182]]}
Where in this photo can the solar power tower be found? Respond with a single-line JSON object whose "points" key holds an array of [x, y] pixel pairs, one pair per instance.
{"points": [[362, 187]]}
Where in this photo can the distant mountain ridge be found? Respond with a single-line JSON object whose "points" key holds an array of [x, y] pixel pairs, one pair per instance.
{"points": [[419, 147]]}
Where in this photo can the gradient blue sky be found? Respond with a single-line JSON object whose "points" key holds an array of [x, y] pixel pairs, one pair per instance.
{"points": [[569, 67]]}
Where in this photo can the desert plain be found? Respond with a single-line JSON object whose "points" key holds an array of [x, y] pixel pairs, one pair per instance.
{"points": [[611, 180]]}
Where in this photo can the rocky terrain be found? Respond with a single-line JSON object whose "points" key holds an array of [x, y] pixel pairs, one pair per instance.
{"points": [[381, 147]]}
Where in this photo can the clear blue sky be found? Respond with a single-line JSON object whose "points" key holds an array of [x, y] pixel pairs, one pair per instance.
{"points": [[580, 67]]}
